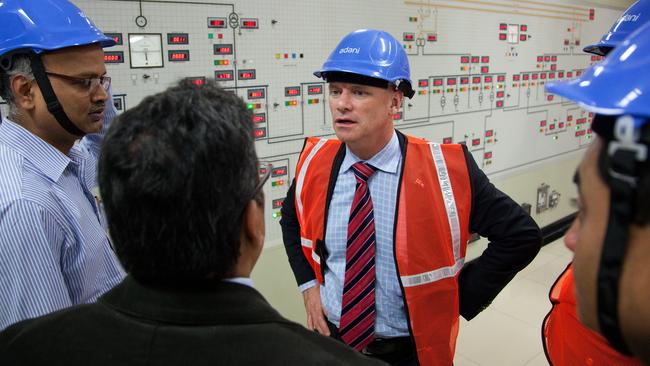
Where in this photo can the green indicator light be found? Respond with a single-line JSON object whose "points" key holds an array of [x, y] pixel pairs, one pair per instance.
{"points": [[249, 106], [210, 35], [275, 215], [216, 62], [287, 103]]}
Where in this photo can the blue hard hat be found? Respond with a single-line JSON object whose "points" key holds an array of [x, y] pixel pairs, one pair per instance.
{"points": [[633, 18], [46, 25], [372, 53], [617, 86]]}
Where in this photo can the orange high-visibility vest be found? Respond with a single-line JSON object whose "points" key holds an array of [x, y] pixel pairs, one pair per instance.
{"points": [[431, 233], [567, 342]]}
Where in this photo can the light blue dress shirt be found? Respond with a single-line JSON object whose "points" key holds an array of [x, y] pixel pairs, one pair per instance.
{"points": [[54, 250], [390, 318]]}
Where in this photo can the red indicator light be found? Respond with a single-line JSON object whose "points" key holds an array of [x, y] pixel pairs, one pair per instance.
{"points": [[437, 82], [499, 103], [487, 155], [464, 80], [423, 83], [523, 37], [592, 14], [315, 90], [476, 142], [542, 123], [502, 37], [197, 80], [549, 98], [488, 79], [485, 59], [515, 77], [489, 133], [475, 59], [451, 81], [500, 94], [409, 37], [501, 78], [259, 118], [580, 133], [446, 140], [259, 132], [485, 69], [464, 59], [523, 27], [476, 80]]}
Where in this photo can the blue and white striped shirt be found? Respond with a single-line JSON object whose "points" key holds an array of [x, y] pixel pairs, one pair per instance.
{"points": [[54, 250], [390, 318]]}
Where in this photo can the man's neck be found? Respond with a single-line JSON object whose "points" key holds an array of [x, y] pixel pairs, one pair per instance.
{"points": [[61, 143]]}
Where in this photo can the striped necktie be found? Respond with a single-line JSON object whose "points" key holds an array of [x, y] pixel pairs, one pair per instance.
{"points": [[358, 307]]}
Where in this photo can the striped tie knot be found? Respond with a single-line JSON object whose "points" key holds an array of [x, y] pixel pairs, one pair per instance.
{"points": [[363, 171]]}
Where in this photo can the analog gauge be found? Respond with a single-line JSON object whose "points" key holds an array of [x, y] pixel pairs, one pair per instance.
{"points": [[145, 50], [141, 21]]}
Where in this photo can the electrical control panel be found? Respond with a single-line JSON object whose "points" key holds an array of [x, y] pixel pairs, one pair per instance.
{"points": [[478, 70]]}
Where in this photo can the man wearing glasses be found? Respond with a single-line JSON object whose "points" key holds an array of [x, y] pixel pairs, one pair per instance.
{"points": [[182, 188], [54, 249]]}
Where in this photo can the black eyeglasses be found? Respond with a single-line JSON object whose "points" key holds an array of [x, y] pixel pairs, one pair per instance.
{"points": [[90, 84]]}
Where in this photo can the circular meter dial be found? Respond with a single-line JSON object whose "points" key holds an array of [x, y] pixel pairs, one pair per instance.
{"points": [[145, 50]]}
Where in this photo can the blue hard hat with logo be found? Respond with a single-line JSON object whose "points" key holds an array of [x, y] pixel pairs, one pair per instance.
{"points": [[619, 85], [633, 18], [371, 53], [46, 25]]}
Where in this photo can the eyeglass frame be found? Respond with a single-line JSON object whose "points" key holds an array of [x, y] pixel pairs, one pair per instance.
{"points": [[264, 178], [81, 81]]}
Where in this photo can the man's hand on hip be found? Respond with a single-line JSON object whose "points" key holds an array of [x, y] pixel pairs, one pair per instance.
{"points": [[314, 309]]}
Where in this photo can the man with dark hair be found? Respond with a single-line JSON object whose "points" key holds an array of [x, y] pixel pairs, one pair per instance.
{"points": [[54, 249], [611, 235], [183, 195]]}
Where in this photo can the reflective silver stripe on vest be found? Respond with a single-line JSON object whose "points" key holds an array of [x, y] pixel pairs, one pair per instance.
{"points": [[306, 243], [454, 226], [315, 257], [303, 172]]}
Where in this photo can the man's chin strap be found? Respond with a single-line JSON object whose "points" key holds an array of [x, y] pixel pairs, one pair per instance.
{"points": [[624, 154], [51, 100]]}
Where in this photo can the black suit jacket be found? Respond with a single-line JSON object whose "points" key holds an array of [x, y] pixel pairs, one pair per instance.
{"points": [[227, 324], [514, 237]]}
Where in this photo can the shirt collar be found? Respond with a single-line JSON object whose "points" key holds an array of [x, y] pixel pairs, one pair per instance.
{"points": [[385, 160], [45, 157], [240, 280]]}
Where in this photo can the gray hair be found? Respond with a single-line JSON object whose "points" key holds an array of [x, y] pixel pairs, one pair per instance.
{"points": [[20, 65]]}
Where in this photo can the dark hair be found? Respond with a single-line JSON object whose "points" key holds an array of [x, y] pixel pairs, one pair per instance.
{"points": [[175, 174], [604, 127]]}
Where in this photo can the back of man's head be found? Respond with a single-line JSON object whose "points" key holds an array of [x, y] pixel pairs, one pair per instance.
{"points": [[175, 174]]}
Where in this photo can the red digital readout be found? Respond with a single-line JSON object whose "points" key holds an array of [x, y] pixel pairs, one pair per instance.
{"points": [[217, 23], [489, 133], [178, 39], [525, 76], [464, 59], [476, 80], [523, 37], [523, 27], [437, 82], [223, 75], [561, 125], [499, 103], [113, 57], [464, 80], [484, 69], [259, 132], [542, 76], [501, 78], [547, 58], [249, 23], [179, 56], [432, 37], [451, 81], [197, 80], [476, 142], [502, 36], [423, 83], [551, 75], [549, 98], [553, 58], [256, 94], [485, 59], [488, 155], [117, 39], [542, 123], [503, 26], [223, 49], [500, 94], [488, 79], [540, 58], [475, 59], [315, 89], [515, 77], [409, 37], [534, 76], [569, 74], [292, 91], [259, 118], [276, 172], [246, 75], [278, 203]]}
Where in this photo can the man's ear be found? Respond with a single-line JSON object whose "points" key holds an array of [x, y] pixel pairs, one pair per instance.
{"points": [[253, 229], [396, 101], [23, 92]]}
